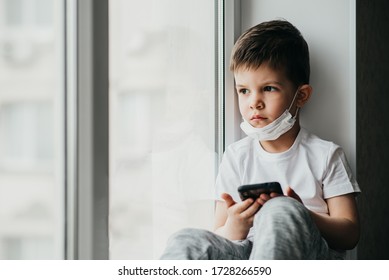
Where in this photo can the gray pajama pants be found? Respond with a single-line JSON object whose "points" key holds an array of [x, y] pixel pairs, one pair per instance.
{"points": [[283, 229]]}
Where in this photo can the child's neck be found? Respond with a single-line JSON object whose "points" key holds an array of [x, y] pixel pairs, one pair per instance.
{"points": [[283, 143]]}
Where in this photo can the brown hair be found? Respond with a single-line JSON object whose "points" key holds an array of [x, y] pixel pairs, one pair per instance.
{"points": [[277, 43]]}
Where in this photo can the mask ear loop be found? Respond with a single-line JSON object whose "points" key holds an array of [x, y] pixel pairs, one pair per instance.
{"points": [[290, 106], [295, 115]]}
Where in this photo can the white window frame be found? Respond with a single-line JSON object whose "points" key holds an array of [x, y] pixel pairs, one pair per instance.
{"points": [[232, 30]]}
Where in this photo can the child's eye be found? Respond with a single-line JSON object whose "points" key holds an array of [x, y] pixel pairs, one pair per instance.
{"points": [[243, 91], [269, 88]]}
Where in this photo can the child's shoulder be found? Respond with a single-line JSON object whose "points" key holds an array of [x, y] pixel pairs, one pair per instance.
{"points": [[312, 141], [241, 145]]}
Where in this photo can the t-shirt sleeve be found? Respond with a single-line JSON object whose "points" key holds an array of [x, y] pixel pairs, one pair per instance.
{"points": [[228, 179], [338, 179]]}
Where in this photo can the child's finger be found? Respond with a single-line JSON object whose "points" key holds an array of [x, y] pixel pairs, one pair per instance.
{"points": [[252, 209], [263, 198], [228, 199], [273, 194], [291, 193], [244, 205]]}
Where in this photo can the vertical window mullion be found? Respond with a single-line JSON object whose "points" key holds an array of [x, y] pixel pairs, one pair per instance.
{"points": [[220, 76], [87, 135], [70, 86], [92, 109], [232, 26]]}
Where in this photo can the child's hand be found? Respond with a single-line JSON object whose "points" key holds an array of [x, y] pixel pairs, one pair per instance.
{"points": [[291, 193], [263, 198], [240, 216]]}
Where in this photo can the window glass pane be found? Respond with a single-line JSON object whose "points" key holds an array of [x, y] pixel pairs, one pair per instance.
{"points": [[13, 14], [162, 122], [23, 124], [43, 16], [31, 131]]}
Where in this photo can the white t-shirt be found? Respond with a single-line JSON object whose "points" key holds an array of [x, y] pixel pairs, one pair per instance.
{"points": [[314, 168]]}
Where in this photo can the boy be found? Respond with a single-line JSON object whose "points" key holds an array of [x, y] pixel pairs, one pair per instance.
{"points": [[317, 217]]}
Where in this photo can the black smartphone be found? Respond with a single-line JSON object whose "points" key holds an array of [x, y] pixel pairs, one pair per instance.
{"points": [[255, 190]]}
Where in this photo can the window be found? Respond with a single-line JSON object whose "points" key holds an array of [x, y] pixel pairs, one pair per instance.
{"points": [[22, 146], [163, 125], [162, 122], [29, 13], [31, 149]]}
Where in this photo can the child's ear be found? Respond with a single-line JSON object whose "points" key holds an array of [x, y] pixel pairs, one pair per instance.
{"points": [[303, 95]]}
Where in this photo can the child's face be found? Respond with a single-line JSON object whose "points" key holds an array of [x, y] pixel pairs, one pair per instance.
{"points": [[264, 94]]}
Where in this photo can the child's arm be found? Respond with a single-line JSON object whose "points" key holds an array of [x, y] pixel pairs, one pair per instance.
{"points": [[233, 220], [340, 228]]}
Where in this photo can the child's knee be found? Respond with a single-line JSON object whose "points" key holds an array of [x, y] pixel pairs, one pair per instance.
{"points": [[282, 208], [188, 244]]}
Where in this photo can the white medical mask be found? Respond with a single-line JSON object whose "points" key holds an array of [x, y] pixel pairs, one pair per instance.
{"points": [[274, 129]]}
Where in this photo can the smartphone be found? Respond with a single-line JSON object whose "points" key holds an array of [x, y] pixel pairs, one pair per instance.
{"points": [[255, 190]]}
